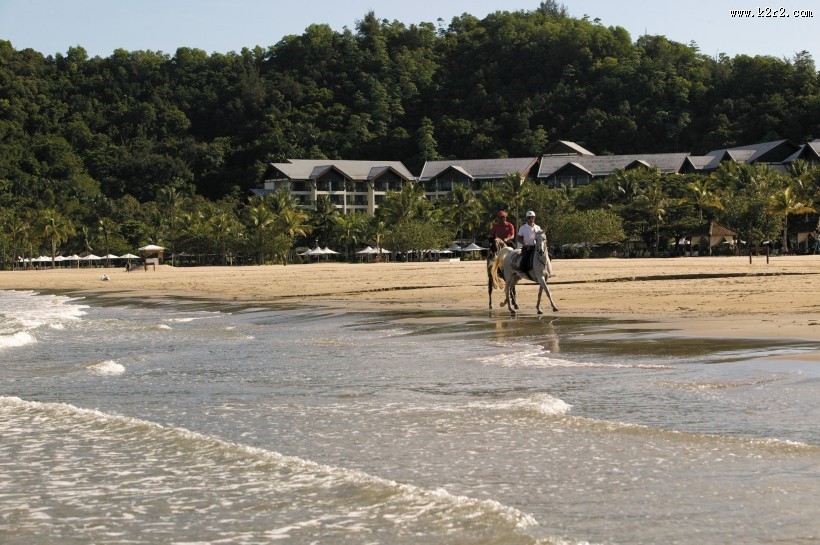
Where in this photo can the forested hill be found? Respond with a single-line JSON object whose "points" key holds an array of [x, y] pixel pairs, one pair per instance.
{"points": [[506, 85]]}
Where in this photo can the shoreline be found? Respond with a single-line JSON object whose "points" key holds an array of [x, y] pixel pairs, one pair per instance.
{"points": [[698, 296]]}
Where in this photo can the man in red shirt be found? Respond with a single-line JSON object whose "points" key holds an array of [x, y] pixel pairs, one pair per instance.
{"points": [[502, 229]]}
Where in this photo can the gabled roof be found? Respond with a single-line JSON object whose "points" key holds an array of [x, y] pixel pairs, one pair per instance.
{"points": [[572, 167], [712, 229], [809, 151], [564, 147], [480, 169], [455, 168], [309, 169], [775, 151], [698, 162], [603, 165]]}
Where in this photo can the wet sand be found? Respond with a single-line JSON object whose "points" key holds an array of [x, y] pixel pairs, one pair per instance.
{"points": [[703, 296]]}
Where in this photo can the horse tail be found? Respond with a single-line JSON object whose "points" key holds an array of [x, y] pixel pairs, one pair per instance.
{"points": [[496, 264]]}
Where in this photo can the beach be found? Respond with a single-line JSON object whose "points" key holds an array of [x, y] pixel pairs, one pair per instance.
{"points": [[667, 401], [704, 296]]}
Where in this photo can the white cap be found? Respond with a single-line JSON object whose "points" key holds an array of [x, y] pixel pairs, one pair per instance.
{"points": [[530, 214]]}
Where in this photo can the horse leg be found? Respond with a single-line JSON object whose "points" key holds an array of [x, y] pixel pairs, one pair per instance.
{"points": [[544, 288], [514, 301], [490, 292], [509, 290]]}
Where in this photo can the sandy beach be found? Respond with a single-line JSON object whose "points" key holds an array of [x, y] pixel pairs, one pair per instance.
{"points": [[714, 296]]}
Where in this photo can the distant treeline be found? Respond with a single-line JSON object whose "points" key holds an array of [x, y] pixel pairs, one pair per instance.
{"points": [[502, 86]]}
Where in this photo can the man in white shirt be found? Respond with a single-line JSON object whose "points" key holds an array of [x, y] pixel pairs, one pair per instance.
{"points": [[526, 236]]}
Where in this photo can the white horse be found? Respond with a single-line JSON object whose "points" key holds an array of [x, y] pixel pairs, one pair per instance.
{"points": [[541, 270]]}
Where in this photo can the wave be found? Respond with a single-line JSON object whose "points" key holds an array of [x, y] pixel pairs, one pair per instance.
{"points": [[298, 495], [530, 356], [542, 404], [107, 368], [23, 312], [21, 338]]}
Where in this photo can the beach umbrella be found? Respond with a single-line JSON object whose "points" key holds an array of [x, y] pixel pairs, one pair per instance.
{"points": [[150, 248], [328, 251], [455, 248], [367, 250], [473, 247], [129, 256]]}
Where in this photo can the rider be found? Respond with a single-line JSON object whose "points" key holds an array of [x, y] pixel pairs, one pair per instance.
{"points": [[526, 236], [502, 229]]}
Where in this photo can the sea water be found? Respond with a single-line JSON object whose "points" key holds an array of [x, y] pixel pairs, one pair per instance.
{"points": [[173, 422]]}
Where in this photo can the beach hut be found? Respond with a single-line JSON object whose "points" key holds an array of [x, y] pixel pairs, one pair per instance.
{"points": [[151, 254]]}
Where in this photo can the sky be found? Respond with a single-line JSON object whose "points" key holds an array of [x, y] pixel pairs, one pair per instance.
{"points": [[101, 26]]}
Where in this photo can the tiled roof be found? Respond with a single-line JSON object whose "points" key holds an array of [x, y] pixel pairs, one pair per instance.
{"points": [[603, 165], [480, 169], [309, 169]]}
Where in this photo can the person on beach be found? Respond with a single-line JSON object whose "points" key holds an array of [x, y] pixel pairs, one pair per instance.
{"points": [[502, 229], [526, 236]]}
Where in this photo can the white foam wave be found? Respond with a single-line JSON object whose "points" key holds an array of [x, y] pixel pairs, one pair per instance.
{"points": [[539, 403], [392, 499], [107, 368], [31, 310], [21, 338], [529, 356]]}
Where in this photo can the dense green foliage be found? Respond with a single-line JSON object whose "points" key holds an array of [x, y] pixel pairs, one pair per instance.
{"points": [[146, 146]]}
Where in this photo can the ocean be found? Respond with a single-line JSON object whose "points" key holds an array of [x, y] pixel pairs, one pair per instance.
{"points": [[170, 421]]}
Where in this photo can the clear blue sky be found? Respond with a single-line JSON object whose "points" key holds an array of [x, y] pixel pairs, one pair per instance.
{"points": [[101, 26]]}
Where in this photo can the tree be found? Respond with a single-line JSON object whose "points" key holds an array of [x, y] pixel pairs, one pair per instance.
{"points": [[292, 222], [416, 234], [402, 205], [16, 229], [654, 201], [701, 194], [588, 227], [106, 227], [515, 189], [56, 228], [351, 228], [462, 205], [784, 203]]}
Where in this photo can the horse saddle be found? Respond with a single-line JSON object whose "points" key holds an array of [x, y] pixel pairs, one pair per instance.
{"points": [[520, 262]]}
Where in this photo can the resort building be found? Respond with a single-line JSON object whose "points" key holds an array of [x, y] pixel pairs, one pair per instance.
{"points": [[440, 177], [809, 152], [352, 186], [360, 186]]}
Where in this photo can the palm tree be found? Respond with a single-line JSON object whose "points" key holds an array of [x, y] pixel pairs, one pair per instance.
{"points": [[292, 223], [323, 218], [402, 205], [220, 227], [462, 205], [107, 227], [627, 185], [351, 228], [169, 199], [701, 195], [17, 229], [785, 203], [261, 221], [57, 228], [654, 201], [515, 190]]}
